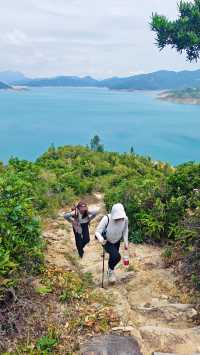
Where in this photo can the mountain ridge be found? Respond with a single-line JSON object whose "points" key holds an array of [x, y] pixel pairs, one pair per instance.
{"points": [[158, 80], [10, 77]]}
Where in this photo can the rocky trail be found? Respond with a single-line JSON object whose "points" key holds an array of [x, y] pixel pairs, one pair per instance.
{"points": [[151, 307]]}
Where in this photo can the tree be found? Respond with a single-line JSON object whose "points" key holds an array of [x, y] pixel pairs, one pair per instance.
{"points": [[95, 144], [182, 34]]}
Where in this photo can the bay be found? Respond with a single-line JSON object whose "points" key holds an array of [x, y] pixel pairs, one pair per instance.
{"points": [[30, 121]]}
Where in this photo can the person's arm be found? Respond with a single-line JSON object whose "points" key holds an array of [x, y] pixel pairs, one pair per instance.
{"points": [[125, 234], [69, 216], [100, 229], [92, 214]]}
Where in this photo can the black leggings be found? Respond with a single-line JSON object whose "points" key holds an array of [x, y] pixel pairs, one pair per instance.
{"points": [[114, 255], [82, 239]]}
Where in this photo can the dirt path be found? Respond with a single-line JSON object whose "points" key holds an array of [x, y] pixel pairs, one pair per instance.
{"points": [[150, 306]]}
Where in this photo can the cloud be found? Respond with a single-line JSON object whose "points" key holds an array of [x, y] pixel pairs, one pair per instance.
{"points": [[99, 38], [15, 37]]}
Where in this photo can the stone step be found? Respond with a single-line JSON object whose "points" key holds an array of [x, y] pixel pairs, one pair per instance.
{"points": [[171, 312], [170, 339], [111, 344]]}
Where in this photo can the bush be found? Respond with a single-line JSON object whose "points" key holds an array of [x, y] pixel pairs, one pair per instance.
{"points": [[20, 241], [158, 199]]}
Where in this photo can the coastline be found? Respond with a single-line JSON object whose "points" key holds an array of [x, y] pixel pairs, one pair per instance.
{"points": [[166, 96], [161, 95]]}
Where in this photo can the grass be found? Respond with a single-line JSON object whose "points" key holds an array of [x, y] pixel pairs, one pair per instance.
{"points": [[43, 290], [44, 345]]}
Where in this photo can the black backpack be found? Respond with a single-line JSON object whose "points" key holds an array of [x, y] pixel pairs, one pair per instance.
{"points": [[105, 229]]}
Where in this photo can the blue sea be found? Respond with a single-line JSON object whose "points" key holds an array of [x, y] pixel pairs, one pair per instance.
{"points": [[30, 121]]}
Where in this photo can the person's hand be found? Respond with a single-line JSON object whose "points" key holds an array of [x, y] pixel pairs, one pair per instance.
{"points": [[103, 242]]}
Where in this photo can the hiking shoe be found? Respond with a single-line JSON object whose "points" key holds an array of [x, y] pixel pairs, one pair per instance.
{"points": [[111, 276], [81, 253]]}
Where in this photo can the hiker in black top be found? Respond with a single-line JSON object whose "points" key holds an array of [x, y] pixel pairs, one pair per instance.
{"points": [[80, 217]]}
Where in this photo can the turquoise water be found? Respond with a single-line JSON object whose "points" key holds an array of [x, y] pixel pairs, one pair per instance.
{"points": [[31, 120]]}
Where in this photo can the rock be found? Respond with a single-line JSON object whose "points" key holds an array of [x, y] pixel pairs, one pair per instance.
{"points": [[111, 345], [164, 297], [180, 266], [55, 224], [126, 276], [169, 339], [168, 311], [191, 313], [121, 277]]}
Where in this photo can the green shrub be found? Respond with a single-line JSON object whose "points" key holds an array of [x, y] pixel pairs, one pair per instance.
{"points": [[6, 265], [158, 199], [46, 344], [20, 241]]}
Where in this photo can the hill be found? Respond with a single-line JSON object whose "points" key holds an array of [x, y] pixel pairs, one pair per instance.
{"points": [[72, 81], [50, 299], [4, 86], [160, 80], [12, 77]]}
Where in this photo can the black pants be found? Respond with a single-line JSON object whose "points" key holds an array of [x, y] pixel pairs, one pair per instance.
{"points": [[114, 255], [82, 239]]}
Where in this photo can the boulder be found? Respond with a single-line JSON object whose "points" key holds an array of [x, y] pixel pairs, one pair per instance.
{"points": [[111, 345]]}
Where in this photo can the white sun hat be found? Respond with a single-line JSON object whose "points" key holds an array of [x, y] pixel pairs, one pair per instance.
{"points": [[118, 211]]}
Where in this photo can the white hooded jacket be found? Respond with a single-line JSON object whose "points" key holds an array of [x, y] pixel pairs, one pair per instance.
{"points": [[115, 229]]}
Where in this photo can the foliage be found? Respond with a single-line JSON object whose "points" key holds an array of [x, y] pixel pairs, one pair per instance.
{"points": [[182, 34], [189, 93], [47, 343], [20, 242], [95, 144], [43, 290], [157, 199], [196, 281]]}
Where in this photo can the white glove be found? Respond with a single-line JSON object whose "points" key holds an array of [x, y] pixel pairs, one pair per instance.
{"points": [[102, 240]]}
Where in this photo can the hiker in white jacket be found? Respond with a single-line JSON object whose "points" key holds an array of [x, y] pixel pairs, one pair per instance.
{"points": [[111, 229]]}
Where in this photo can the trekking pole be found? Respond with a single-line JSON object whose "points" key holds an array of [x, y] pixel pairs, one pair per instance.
{"points": [[103, 268]]}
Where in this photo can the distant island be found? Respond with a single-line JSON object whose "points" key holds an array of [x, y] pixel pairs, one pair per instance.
{"points": [[159, 80], [186, 96]]}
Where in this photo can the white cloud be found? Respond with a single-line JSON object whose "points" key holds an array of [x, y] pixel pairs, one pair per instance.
{"points": [[15, 37], [99, 38]]}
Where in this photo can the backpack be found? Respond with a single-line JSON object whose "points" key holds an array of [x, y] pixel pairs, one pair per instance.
{"points": [[105, 229]]}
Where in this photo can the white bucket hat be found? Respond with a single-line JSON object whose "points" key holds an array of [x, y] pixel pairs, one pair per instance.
{"points": [[118, 211]]}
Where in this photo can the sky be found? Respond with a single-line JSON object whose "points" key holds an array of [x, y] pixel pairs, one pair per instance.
{"points": [[101, 38]]}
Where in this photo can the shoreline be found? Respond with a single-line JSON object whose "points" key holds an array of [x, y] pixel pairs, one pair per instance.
{"points": [[161, 95], [178, 100]]}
